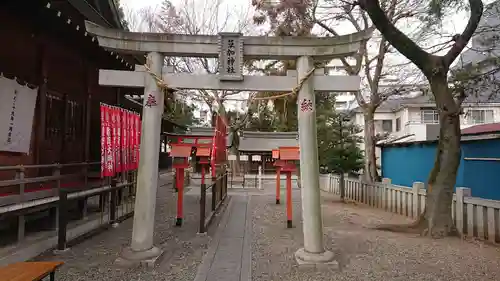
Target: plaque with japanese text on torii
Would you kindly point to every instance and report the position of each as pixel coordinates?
(230, 56)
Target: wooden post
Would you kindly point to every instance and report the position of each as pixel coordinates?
(260, 178)
(42, 98)
(62, 219)
(88, 116)
(203, 202)
(342, 186)
(112, 204)
(278, 185)
(225, 185)
(21, 223)
(289, 199)
(202, 173)
(64, 128)
(214, 193)
(55, 211)
(460, 216)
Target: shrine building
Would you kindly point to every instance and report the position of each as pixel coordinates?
(258, 147)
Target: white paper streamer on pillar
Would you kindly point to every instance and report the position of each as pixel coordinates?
(17, 108)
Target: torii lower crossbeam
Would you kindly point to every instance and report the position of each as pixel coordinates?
(322, 83)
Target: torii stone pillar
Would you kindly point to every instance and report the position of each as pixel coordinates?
(314, 250)
(142, 249)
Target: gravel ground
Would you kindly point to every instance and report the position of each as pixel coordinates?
(363, 253)
(93, 259)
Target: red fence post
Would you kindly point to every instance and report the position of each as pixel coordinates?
(180, 195)
(278, 185)
(289, 199)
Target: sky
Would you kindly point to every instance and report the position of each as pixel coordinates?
(137, 4)
(454, 24)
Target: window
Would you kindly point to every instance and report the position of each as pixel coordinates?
(398, 124)
(75, 119)
(53, 116)
(387, 126)
(340, 104)
(479, 116)
(429, 116)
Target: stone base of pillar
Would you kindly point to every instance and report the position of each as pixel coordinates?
(131, 258)
(325, 259)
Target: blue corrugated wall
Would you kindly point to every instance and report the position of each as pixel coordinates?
(482, 177)
(407, 164)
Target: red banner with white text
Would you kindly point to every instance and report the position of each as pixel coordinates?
(119, 140)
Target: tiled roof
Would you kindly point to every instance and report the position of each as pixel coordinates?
(267, 141)
(201, 132)
(482, 129)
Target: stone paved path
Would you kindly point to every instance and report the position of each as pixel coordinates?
(250, 242)
(93, 259)
(229, 255)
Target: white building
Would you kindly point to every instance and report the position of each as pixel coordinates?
(416, 119)
(345, 101)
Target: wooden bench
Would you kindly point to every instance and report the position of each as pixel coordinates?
(29, 271)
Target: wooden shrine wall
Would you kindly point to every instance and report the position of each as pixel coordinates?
(71, 93)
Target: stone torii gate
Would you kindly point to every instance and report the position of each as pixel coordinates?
(229, 48)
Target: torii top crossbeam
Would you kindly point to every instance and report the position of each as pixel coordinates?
(255, 47)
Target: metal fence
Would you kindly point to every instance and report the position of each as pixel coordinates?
(27, 199)
(218, 195)
(116, 203)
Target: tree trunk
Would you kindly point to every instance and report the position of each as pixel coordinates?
(236, 168)
(443, 176)
(370, 172)
(436, 220)
(342, 186)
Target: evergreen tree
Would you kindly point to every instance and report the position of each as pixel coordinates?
(338, 141)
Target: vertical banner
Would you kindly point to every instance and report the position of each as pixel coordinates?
(131, 144)
(214, 148)
(103, 140)
(124, 139)
(134, 141)
(113, 134)
(109, 156)
(118, 142)
(17, 109)
(138, 139)
(120, 139)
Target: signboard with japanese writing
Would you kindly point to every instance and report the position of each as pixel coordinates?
(276, 154)
(188, 140)
(17, 109)
(243, 157)
(256, 158)
(230, 56)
